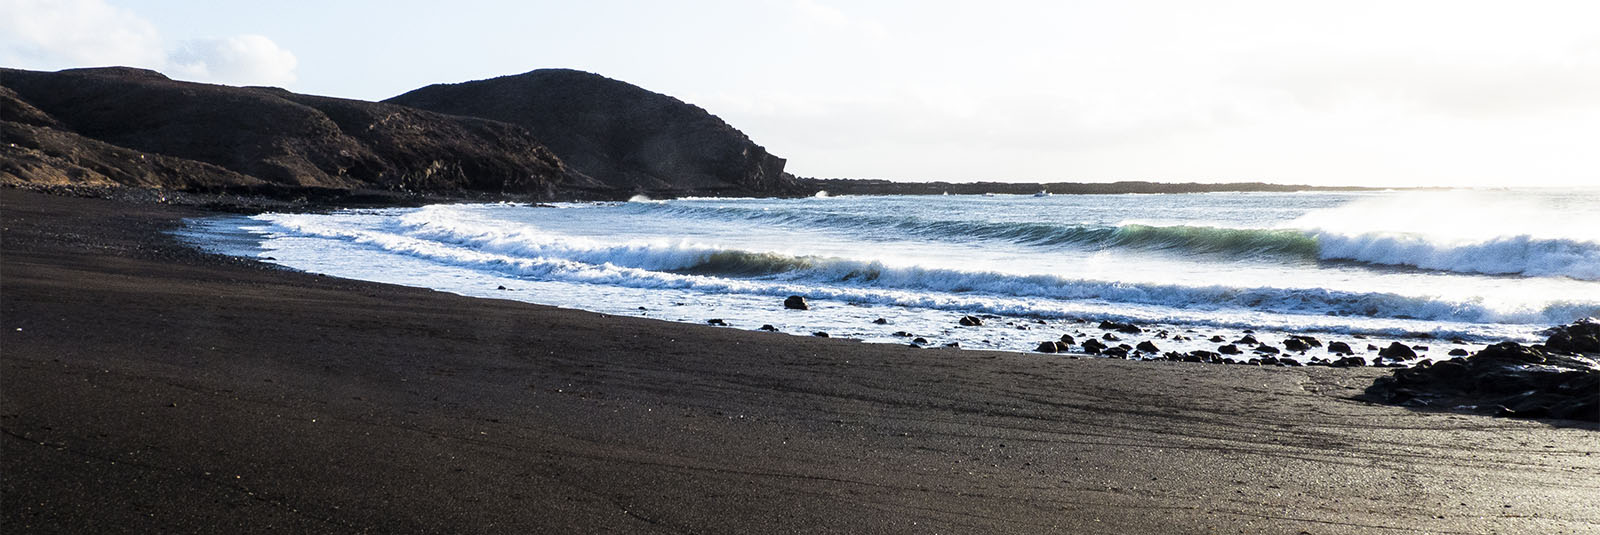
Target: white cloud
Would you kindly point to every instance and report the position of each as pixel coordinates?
(60, 34)
(238, 60)
(39, 33)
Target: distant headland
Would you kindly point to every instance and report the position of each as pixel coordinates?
(548, 134)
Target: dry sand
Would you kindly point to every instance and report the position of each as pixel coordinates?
(150, 388)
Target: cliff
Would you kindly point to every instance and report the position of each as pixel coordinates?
(629, 138)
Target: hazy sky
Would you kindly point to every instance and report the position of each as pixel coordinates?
(1340, 92)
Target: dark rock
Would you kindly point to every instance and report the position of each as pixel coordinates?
(1248, 340)
(1267, 349)
(1126, 328)
(1046, 347)
(1147, 347)
(970, 321)
(953, 345)
(1293, 344)
(1229, 349)
(1340, 348)
(1458, 352)
(903, 334)
(627, 138)
(769, 327)
(795, 302)
(1067, 339)
(1398, 351)
(1288, 362)
(1371, 347)
(1093, 347)
(500, 287)
(1419, 348)
(1115, 352)
(820, 334)
(717, 321)
(1582, 336)
(1269, 361)
(1350, 362)
(1217, 339)
(919, 341)
(881, 321)
(1111, 337)
(1499, 379)
(1308, 340)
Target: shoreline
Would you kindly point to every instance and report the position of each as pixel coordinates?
(152, 387)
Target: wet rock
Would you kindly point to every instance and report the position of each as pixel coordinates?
(1349, 362)
(1111, 337)
(500, 287)
(970, 321)
(1308, 340)
(919, 341)
(1398, 351)
(953, 345)
(1246, 340)
(1288, 362)
(1126, 328)
(1093, 347)
(769, 327)
(1067, 339)
(1147, 347)
(881, 321)
(1229, 349)
(717, 321)
(820, 334)
(1458, 352)
(903, 334)
(795, 302)
(1501, 379)
(1204, 355)
(1217, 339)
(1264, 348)
(1294, 344)
(1371, 347)
(1046, 347)
(1340, 348)
(1582, 336)
(1115, 352)
(1419, 348)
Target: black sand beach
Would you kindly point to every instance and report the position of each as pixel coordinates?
(147, 387)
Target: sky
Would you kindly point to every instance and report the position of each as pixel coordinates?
(1350, 92)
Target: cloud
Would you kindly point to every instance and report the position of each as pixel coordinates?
(76, 33)
(59, 34)
(239, 60)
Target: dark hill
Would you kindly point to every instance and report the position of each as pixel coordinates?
(625, 136)
(138, 128)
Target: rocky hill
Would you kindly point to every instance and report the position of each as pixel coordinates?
(625, 136)
(133, 127)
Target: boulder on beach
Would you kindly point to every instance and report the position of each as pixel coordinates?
(1228, 349)
(1067, 339)
(795, 302)
(1046, 347)
(970, 321)
(1295, 344)
(769, 327)
(1398, 351)
(1093, 347)
(1147, 347)
(1127, 328)
(1340, 348)
(1267, 349)
(1246, 340)
(717, 321)
(1505, 379)
(1582, 336)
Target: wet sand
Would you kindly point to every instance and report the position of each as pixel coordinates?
(146, 387)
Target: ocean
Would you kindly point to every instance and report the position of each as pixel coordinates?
(1443, 270)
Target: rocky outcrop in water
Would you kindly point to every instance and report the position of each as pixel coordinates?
(1508, 379)
(628, 138)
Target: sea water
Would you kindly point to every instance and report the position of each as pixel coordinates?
(1438, 268)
